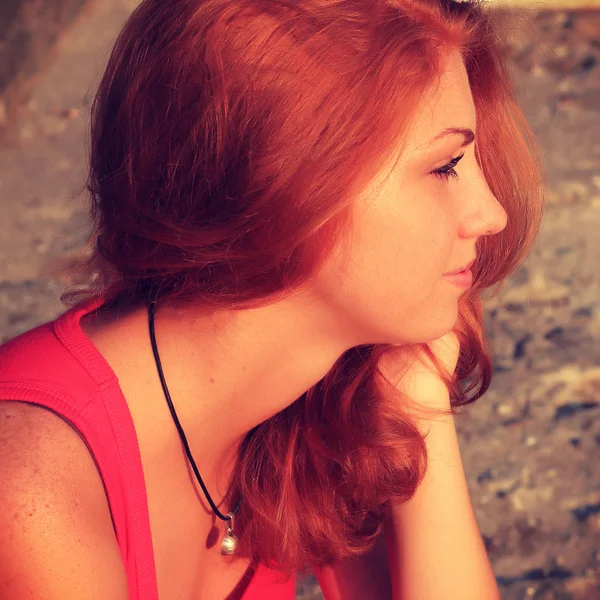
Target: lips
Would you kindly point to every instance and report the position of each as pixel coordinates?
(462, 269)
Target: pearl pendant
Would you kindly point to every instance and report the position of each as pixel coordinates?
(230, 541)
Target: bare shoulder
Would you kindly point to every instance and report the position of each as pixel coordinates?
(56, 533)
(40, 448)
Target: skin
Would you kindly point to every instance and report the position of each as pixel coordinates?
(229, 372)
(412, 227)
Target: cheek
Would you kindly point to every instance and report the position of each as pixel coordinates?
(428, 235)
(403, 248)
(392, 291)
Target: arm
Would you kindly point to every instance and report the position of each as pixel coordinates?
(365, 578)
(432, 548)
(56, 536)
(435, 548)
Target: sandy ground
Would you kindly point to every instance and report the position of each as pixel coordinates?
(531, 445)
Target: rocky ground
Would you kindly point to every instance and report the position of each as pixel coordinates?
(531, 445)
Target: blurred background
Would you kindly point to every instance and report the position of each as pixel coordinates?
(531, 445)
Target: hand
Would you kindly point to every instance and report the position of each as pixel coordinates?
(412, 372)
(447, 350)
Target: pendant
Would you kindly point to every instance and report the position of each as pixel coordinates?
(230, 541)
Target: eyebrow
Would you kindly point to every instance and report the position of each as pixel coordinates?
(467, 134)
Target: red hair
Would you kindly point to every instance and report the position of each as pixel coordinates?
(228, 140)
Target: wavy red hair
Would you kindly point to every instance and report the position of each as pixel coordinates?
(228, 140)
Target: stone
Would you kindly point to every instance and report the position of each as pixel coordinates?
(572, 191)
(505, 410)
(30, 30)
(538, 290)
(583, 587)
(70, 113)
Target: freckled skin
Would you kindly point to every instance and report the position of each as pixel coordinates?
(414, 227)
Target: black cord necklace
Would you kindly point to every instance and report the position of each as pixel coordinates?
(230, 541)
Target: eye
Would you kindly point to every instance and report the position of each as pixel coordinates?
(447, 171)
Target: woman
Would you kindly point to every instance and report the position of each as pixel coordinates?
(261, 375)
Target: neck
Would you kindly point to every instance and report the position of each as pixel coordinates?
(228, 372)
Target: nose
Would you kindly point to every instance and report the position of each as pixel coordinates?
(483, 214)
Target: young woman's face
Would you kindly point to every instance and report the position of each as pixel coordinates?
(417, 225)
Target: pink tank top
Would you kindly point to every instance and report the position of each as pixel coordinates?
(57, 366)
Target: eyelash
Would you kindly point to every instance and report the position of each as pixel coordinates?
(447, 171)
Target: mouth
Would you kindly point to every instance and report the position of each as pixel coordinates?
(467, 267)
(463, 277)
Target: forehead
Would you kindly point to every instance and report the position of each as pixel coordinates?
(447, 104)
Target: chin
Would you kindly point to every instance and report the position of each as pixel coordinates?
(428, 332)
(415, 328)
